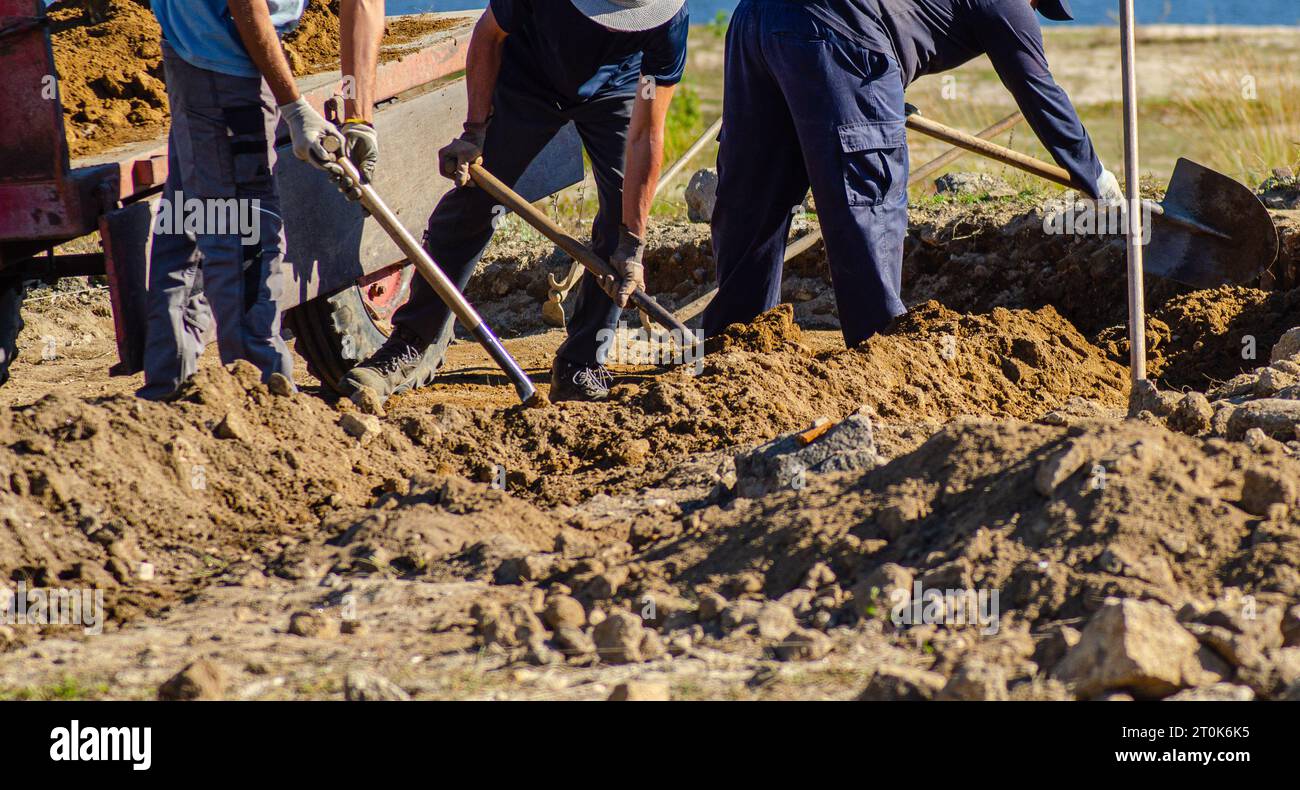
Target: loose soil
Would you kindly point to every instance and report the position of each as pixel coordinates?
(111, 74)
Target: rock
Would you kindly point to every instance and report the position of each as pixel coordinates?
(1291, 627)
(359, 686)
(902, 683)
(563, 611)
(976, 681)
(1060, 467)
(1145, 397)
(702, 195)
(511, 627)
(312, 624)
(1135, 646)
(280, 385)
(1219, 692)
(1271, 381)
(640, 691)
(652, 646)
(1276, 417)
(1054, 644)
(881, 590)
(368, 401)
(977, 184)
(200, 680)
(1265, 488)
(782, 463)
(711, 606)
(1193, 416)
(775, 621)
(804, 644)
(1238, 629)
(573, 641)
(1288, 348)
(818, 576)
(633, 452)
(362, 427)
(738, 613)
(606, 585)
(232, 426)
(618, 638)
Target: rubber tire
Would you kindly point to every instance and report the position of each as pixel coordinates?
(334, 333)
(11, 324)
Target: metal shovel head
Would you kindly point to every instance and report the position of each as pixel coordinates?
(1248, 243)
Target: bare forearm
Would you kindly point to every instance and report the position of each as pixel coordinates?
(645, 156)
(253, 20)
(483, 66)
(362, 23)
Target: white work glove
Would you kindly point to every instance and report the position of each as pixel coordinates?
(1108, 187)
(309, 131)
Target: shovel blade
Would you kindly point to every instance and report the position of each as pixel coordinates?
(1204, 260)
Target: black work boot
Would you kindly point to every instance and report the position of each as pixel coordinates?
(392, 369)
(573, 381)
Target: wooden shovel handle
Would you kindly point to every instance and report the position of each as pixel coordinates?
(991, 150)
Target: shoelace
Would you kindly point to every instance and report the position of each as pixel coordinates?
(393, 356)
(593, 378)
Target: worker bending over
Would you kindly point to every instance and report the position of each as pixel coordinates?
(228, 84)
(814, 97)
(608, 66)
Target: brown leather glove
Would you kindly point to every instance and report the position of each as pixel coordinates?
(628, 267)
(456, 157)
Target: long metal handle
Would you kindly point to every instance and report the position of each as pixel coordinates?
(1037, 167)
(576, 249)
(1137, 324)
(440, 283)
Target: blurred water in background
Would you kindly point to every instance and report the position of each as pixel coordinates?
(1089, 12)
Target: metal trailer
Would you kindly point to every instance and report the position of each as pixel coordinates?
(344, 276)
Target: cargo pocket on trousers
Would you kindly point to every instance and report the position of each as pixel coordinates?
(873, 160)
(249, 150)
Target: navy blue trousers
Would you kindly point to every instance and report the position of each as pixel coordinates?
(462, 224)
(806, 106)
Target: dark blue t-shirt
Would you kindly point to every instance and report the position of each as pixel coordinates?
(930, 36)
(555, 49)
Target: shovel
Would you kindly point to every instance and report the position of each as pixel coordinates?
(1210, 230)
(439, 281)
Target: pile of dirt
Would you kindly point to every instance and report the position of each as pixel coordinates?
(111, 75)
(96, 490)
(934, 366)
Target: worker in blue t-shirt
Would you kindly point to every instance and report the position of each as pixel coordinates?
(814, 97)
(608, 66)
(228, 84)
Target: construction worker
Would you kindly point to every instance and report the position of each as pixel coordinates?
(608, 66)
(228, 84)
(814, 97)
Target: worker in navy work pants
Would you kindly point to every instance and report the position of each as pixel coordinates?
(814, 97)
(608, 66)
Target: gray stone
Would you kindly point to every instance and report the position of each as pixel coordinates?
(1277, 417)
(978, 184)
(1219, 692)
(1264, 488)
(362, 427)
(782, 463)
(702, 195)
(775, 621)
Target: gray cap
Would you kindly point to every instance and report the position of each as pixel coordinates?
(630, 16)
